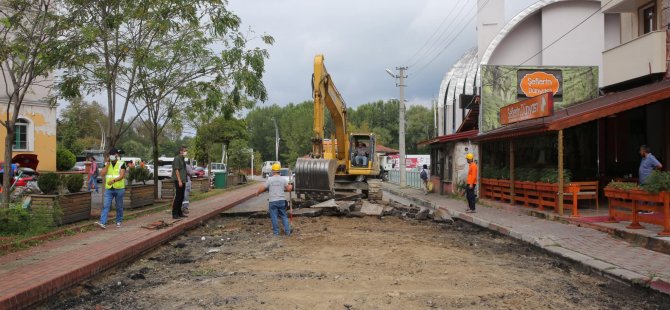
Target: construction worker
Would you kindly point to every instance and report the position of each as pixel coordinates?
(471, 182)
(114, 174)
(276, 185)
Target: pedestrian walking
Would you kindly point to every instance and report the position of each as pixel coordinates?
(114, 174)
(648, 164)
(424, 178)
(92, 174)
(187, 191)
(179, 178)
(276, 185)
(471, 182)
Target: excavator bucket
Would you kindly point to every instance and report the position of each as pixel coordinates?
(315, 178)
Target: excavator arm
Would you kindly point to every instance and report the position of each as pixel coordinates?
(326, 96)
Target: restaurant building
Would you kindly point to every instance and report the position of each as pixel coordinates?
(566, 109)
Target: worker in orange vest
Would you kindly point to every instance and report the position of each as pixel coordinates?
(471, 182)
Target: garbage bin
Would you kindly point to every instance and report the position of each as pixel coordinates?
(220, 179)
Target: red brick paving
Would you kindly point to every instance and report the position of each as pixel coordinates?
(40, 272)
(592, 248)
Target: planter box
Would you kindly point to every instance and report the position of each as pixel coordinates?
(625, 204)
(167, 189)
(75, 207)
(139, 195)
(200, 185)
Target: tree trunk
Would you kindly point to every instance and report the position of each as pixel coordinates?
(7, 166)
(154, 152)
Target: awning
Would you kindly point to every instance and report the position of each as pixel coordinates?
(585, 112)
(466, 135)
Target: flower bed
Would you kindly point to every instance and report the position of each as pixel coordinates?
(138, 195)
(531, 194)
(74, 206)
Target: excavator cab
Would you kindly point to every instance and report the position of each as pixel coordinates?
(362, 156)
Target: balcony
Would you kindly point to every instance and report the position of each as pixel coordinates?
(640, 57)
(619, 6)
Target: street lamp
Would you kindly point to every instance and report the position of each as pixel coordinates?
(276, 140)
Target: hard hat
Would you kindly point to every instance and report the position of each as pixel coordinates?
(469, 156)
(276, 167)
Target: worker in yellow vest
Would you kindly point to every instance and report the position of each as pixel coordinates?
(113, 175)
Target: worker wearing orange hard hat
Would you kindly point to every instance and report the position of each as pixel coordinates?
(471, 182)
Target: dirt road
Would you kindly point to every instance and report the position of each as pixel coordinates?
(350, 263)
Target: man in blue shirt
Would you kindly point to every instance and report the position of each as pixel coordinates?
(648, 163)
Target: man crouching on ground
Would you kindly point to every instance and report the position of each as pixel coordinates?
(276, 186)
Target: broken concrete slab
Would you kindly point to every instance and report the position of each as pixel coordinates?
(441, 216)
(308, 212)
(355, 214)
(372, 209)
(422, 215)
(326, 204)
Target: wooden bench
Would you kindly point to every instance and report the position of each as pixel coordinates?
(587, 191)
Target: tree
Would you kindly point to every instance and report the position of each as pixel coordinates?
(30, 50)
(80, 125)
(220, 130)
(240, 154)
(419, 128)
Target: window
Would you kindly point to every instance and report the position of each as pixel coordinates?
(647, 16)
(21, 135)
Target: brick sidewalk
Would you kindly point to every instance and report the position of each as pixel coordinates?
(589, 247)
(42, 271)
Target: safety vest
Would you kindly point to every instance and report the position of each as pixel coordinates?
(113, 172)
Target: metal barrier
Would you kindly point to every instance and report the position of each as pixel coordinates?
(413, 178)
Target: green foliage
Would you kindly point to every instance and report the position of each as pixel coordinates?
(239, 154)
(65, 160)
(623, 185)
(79, 125)
(74, 182)
(138, 174)
(16, 220)
(419, 128)
(49, 183)
(550, 175)
(658, 181)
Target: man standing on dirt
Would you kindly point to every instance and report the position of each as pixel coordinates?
(276, 185)
(179, 178)
(471, 182)
(114, 174)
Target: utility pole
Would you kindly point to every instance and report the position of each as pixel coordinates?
(252, 162)
(276, 140)
(401, 123)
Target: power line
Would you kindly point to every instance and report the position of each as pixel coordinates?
(434, 33)
(456, 35)
(446, 34)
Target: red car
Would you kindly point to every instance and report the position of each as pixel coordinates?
(199, 172)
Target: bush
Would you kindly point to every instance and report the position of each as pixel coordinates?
(138, 174)
(74, 182)
(65, 160)
(49, 183)
(658, 181)
(16, 220)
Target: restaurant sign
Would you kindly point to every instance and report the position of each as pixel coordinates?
(534, 107)
(531, 83)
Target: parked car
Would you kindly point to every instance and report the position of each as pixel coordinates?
(199, 172)
(219, 167)
(266, 170)
(165, 172)
(79, 166)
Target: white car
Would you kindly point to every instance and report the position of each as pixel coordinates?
(165, 172)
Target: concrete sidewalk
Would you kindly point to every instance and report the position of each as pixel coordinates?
(591, 248)
(42, 271)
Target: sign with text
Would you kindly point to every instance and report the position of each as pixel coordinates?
(535, 107)
(533, 83)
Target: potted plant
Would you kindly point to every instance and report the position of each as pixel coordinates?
(138, 192)
(75, 205)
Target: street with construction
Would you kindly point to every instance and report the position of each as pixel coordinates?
(295, 154)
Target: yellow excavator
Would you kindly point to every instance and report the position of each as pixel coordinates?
(348, 163)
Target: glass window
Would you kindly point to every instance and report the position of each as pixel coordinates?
(648, 18)
(21, 134)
